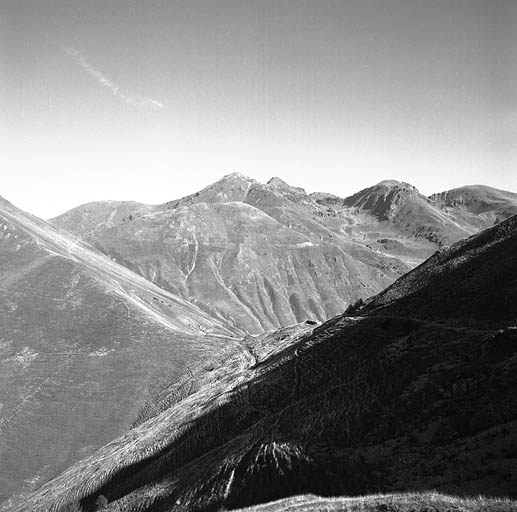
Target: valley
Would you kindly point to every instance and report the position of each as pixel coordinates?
(260, 341)
(375, 400)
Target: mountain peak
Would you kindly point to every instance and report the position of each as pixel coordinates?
(279, 184)
(236, 176)
(395, 184)
(383, 199)
(275, 181)
(470, 195)
(231, 187)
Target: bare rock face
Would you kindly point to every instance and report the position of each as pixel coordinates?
(391, 406)
(83, 341)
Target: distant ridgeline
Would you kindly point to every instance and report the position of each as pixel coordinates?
(259, 257)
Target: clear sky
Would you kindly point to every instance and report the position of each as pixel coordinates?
(150, 100)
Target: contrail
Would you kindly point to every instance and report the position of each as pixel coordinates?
(130, 99)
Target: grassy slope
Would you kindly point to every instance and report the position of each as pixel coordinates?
(477, 203)
(248, 253)
(415, 502)
(83, 341)
(355, 406)
(382, 403)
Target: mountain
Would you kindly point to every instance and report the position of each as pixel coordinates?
(397, 219)
(478, 204)
(230, 188)
(262, 256)
(403, 206)
(477, 293)
(83, 341)
(252, 255)
(91, 217)
(386, 398)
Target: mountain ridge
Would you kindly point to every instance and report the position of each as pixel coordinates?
(78, 328)
(157, 287)
(371, 401)
(296, 249)
(323, 251)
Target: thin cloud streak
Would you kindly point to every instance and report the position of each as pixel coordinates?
(131, 99)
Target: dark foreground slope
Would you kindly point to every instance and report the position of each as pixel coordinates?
(473, 282)
(83, 341)
(358, 405)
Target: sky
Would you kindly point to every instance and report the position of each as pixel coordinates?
(151, 100)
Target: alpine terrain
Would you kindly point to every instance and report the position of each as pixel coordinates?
(414, 389)
(83, 341)
(105, 306)
(261, 257)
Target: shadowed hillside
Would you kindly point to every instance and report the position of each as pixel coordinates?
(472, 282)
(381, 403)
(83, 341)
